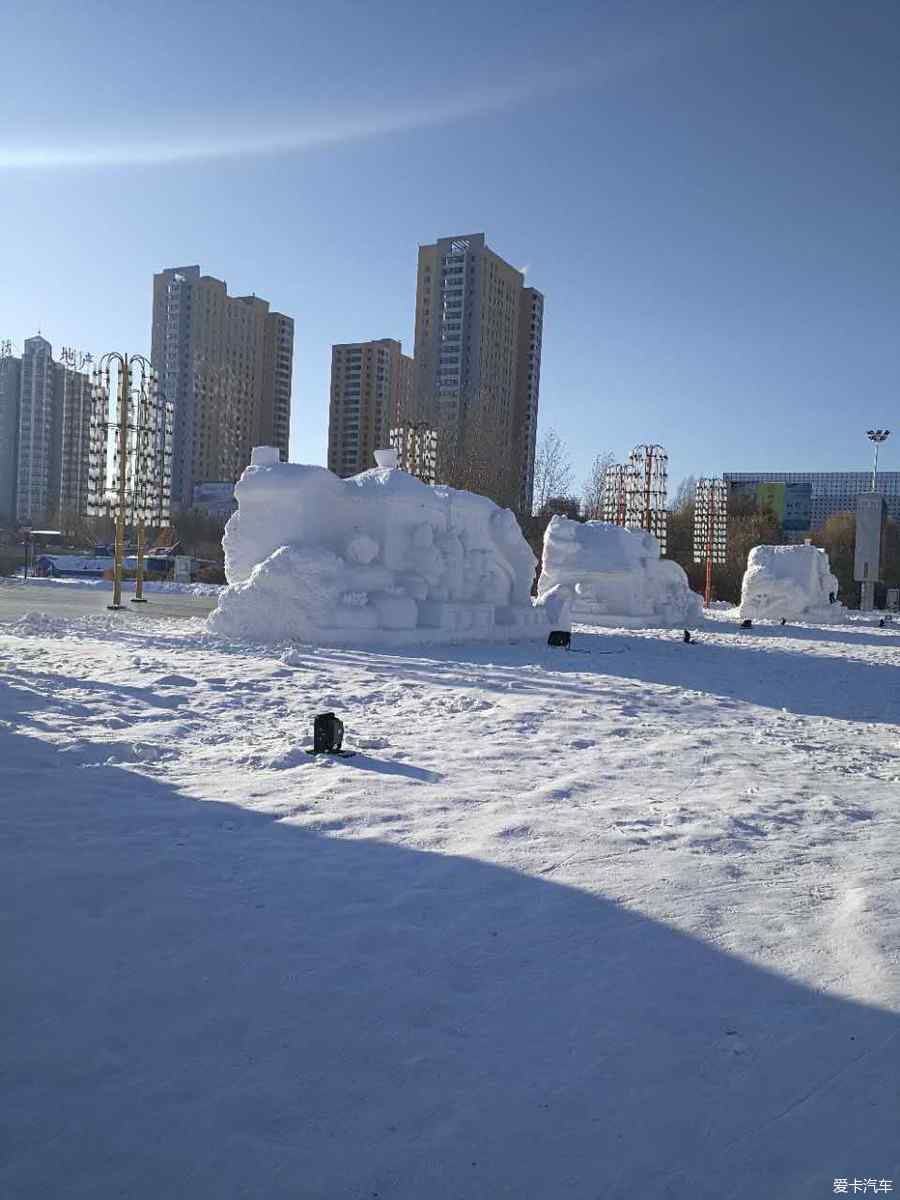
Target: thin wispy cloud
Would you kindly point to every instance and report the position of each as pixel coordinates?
(302, 133)
(254, 136)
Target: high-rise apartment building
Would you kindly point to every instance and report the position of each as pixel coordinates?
(37, 474)
(478, 356)
(45, 418)
(225, 363)
(371, 392)
(73, 405)
(10, 382)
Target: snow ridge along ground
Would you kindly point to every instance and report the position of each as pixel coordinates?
(611, 924)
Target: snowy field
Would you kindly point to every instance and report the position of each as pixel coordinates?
(622, 923)
(159, 586)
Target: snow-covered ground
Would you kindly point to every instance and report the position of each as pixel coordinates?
(160, 586)
(611, 924)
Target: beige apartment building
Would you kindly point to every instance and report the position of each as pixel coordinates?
(478, 358)
(225, 362)
(371, 393)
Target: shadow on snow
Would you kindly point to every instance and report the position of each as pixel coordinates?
(204, 1002)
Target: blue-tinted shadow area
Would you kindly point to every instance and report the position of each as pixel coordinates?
(202, 1002)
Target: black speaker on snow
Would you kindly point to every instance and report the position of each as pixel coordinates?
(560, 637)
(328, 734)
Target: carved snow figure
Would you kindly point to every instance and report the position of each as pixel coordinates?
(790, 582)
(615, 576)
(379, 559)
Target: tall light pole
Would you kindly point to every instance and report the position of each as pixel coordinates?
(877, 436)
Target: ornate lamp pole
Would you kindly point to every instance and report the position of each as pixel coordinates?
(140, 430)
(710, 527)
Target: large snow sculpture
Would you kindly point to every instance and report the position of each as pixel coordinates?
(793, 582)
(616, 576)
(380, 558)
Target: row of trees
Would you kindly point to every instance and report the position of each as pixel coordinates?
(749, 525)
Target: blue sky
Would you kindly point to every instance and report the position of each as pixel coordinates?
(707, 193)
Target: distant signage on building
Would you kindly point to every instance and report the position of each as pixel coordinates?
(215, 498)
(790, 502)
(771, 496)
(797, 515)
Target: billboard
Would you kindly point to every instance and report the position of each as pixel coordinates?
(797, 514)
(216, 498)
(870, 516)
(771, 496)
(790, 502)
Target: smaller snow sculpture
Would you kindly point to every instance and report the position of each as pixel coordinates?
(790, 582)
(615, 577)
(379, 559)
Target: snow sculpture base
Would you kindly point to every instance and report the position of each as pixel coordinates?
(615, 577)
(790, 582)
(380, 560)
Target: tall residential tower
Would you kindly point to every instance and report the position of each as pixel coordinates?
(225, 364)
(45, 415)
(478, 356)
(371, 391)
(10, 383)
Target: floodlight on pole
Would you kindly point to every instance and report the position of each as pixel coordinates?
(877, 436)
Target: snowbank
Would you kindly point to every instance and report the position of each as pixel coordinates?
(616, 576)
(380, 558)
(162, 586)
(794, 582)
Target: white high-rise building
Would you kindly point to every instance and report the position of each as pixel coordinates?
(37, 476)
(10, 383)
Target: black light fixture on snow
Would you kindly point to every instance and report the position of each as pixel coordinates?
(560, 637)
(328, 734)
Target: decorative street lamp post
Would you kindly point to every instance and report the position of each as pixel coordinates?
(710, 527)
(877, 436)
(137, 488)
(645, 501)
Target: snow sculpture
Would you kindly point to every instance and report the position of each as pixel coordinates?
(380, 558)
(615, 576)
(793, 582)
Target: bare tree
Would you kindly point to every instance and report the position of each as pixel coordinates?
(592, 491)
(473, 452)
(222, 395)
(552, 469)
(684, 494)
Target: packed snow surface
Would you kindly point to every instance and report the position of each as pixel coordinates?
(790, 582)
(379, 559)
(160, 586)
(620, 923)
(615, 576)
